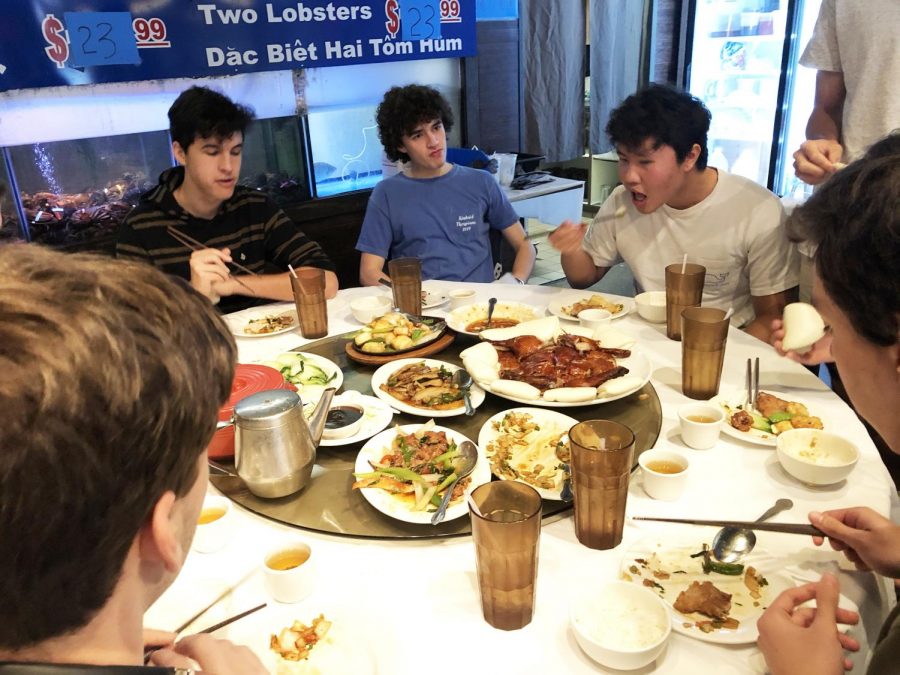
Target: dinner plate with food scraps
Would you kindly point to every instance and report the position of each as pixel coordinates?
(772, 413)
(262, 322)
(422, 387)
(567, 304)
(307, 639)
(396, 332)
(400, 450)
(713, 607)
(524, 444)
(310, 373)
(472, 319)
(486, 363)
(433, 298)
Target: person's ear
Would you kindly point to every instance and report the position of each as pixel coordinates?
(162, 538)
(178, 151)
(690, 159)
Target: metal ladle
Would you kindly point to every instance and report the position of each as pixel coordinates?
(464, 464)
(492, 302)
(463, 380)
(733, 544)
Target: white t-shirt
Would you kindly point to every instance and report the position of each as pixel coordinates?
(737, 233)
(861, 39)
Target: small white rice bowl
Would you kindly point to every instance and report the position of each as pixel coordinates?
(816, 457)
(651, 306)
(621, 625)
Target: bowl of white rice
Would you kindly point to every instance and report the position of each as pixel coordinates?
(621, 625)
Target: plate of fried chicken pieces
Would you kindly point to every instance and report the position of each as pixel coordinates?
(541, 363)
(708, 600)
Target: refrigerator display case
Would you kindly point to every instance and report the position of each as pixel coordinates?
(740, 58)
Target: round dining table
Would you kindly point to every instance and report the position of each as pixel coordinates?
(411, 606)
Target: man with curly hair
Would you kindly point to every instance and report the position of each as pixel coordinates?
(438, 212)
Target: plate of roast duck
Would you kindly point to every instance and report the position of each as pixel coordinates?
(539, 363)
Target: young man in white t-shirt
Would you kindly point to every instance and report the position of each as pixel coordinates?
(671, 203)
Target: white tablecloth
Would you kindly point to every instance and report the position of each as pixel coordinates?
(413, 606)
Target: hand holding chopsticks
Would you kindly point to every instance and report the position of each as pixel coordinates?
(196, 245)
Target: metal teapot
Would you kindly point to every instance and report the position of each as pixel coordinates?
(274, 446)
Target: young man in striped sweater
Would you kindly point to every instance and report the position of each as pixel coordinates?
(201, 199)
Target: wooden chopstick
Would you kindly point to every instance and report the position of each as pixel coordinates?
(222, 624)
(784, 528)
(224, 594)
(195, 245)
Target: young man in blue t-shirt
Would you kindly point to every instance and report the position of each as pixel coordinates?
(438, 212)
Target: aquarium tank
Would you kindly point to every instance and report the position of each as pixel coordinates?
(79, 191)
(346, 152)
(273, 160)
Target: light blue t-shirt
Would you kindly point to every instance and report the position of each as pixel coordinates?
(443, 221)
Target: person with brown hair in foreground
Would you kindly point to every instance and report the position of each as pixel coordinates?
(854, 220)
(113, 374)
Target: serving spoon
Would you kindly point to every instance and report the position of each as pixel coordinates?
(463, 380)
(464, 464)
(733, 544)
(492, 302)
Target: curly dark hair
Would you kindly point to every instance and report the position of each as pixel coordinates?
(668, 116)
(199, 112)
(402, 109)
(854, 219)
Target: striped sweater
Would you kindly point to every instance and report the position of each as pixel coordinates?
(261, 237)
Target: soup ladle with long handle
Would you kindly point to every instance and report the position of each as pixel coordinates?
(463, 380)
(733, 544)
(463, 464)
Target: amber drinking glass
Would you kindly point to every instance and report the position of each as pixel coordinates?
(309, 297)
(506, 528)
(406, 281)
(602, 457)
(705, 331)
(683, 289)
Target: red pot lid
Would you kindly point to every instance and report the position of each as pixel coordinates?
(250, 378)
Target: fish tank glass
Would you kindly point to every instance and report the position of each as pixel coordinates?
(9, 228)
(346, 152)
(273, 160)
(77, 192)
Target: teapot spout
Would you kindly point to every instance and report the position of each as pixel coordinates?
(317, 421)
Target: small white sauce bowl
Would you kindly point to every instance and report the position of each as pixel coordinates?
(651, 306)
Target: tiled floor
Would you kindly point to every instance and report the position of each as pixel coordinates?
(548, 270)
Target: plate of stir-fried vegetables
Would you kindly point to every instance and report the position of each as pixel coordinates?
(403, 472)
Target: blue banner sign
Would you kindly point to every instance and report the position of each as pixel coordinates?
(70, 42)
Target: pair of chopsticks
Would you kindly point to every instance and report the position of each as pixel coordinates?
(224, 594)
(752, 383)
(195, 245)
(784, 528)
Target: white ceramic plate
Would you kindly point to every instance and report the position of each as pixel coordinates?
(376, 417)
(675, 554)
(729, 401)
(638, 366)
(568, 298)
(310, 393)
(238, 321)
(548, 420)
(434, 299)
(381, 376)
(389, 505)
(461, 317)
(346, 648)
